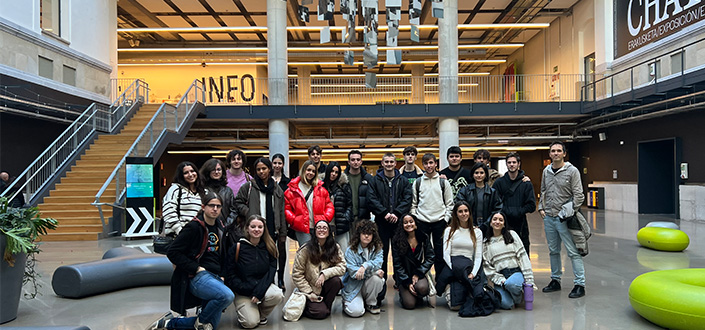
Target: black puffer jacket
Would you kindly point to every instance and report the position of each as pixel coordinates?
(380, 194)
(518, 202)
(363, 208)
(492, 203)
(412, 263)
(341, 196)
(254, 270)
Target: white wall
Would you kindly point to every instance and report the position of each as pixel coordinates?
(564, 43)
(21, 13)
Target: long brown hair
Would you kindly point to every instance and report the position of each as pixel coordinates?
(370, 228)
(328, 252)
(271, 247)
(455, 222)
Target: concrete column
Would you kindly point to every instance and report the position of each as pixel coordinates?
(417, 84)
(279, 140)
(448, 53)
(277, 52)
(604, 36)
(448, 135)
(304, 82)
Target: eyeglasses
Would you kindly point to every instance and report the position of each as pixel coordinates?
(215, 206)
(217, 170)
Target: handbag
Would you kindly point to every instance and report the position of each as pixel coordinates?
(161, 242)
(294, 307)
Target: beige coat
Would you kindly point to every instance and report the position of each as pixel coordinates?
(305, 274)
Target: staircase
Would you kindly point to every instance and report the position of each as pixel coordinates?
(70, 201)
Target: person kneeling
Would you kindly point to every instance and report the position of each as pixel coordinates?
(506, 263)
(413, 257)
(198, 255)
(252, 263)
(318, 265)
(364, 278)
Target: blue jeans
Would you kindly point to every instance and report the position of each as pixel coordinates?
(511, 291)
(557, 231)
(216, 298)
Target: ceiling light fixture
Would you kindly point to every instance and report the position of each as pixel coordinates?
(308, 49)
(255, 29)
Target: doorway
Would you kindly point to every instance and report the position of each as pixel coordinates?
(658, 177)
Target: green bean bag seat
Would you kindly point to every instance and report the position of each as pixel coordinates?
(663, 239)
(673, 299)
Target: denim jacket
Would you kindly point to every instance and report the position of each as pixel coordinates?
(355, 260)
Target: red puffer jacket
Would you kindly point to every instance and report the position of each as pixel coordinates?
(296, 210)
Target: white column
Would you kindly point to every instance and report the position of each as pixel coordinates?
(304, 81)
(417, 84)
(448, 135)
(448, 53)
(277, 52)
(279, 140)
(604, 36)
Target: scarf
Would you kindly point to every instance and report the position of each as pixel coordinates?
(268, 191)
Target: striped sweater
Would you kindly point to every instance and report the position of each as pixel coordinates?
(498, 255)
(189, 205)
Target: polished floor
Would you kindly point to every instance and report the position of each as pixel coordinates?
(615, 260)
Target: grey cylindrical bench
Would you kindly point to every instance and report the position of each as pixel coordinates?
(122, 251)
(107, 275)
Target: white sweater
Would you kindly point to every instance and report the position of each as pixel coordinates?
(461, 245)
(498, 255)
(177, 213)
(429, 205)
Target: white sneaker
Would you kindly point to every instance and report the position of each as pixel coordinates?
(161, 323)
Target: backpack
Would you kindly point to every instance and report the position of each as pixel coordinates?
(442, 181)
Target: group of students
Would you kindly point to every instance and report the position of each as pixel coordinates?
(231, 231)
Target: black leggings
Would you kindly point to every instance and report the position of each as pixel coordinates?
(408, 300)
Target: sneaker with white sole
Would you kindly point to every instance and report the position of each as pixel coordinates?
(263, 321)
(161, 323)
(374, 309)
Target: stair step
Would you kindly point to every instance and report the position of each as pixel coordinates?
(86, 199)
(58, 237)
(82, 212)
(80, 228)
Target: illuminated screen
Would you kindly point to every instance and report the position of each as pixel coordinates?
(140, 180)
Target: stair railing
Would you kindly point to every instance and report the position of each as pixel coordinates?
(56, 157)
(167, 119)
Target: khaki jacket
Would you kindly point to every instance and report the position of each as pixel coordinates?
(304, 274)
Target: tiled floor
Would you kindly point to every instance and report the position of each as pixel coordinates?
(615, 260)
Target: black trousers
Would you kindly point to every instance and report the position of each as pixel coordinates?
(386, 231)
(435, 231)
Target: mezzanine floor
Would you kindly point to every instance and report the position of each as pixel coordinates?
(615, 260)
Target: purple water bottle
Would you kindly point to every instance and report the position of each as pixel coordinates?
(528, 297)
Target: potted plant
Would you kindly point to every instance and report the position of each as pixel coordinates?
(19, 230)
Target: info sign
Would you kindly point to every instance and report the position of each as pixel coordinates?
(641, 22)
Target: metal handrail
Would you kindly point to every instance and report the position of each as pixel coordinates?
(161, 120)
(95, 118)
(589, 91)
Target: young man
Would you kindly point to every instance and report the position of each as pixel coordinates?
(483, 156)
(457, 176)
(389, 199)
(432, 204)
(359, 183)
(235, 162)
(314, 155)
(561, 197)
(517, 197)
(410, 170)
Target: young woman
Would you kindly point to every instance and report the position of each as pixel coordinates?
(482, 199)
(278, 171)
(213, 178)
(506, 263)
(236, 175)
(413, 257)
(364, 278)
(307, 202)
(462, 253)
(198, 256)
(251, 266)
(183, 199)
(336, 182)
(317, 269)
(265, 198)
